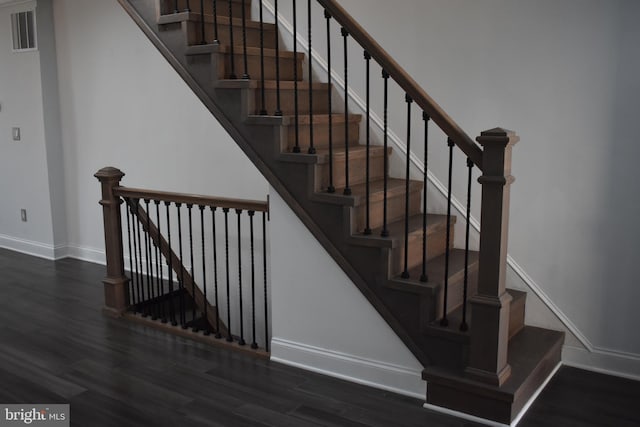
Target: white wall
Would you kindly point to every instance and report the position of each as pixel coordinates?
(122, 105)
(24, 181)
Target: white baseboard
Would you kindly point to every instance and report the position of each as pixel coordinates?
(372, 373)
(96, 256)
(609, 362)
(30, 247)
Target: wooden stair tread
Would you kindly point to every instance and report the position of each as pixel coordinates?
(435, 271)
(395, 186)
(269, 84)
(239, 50)
(435, 224)
(223, 21)
(355, 152)
(455, 316)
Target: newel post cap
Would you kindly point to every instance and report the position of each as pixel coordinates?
(109, 173)
(498, 136)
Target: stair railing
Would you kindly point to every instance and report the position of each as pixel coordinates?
(185, 261)
(492, 157)
(490, 306)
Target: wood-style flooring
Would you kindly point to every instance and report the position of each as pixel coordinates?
(57, 347)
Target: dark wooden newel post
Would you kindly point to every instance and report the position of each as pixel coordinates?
(115, 283)
(490, 308)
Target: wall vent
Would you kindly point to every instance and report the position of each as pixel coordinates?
(23, 25)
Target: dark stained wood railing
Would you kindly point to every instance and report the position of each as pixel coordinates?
(161, 287)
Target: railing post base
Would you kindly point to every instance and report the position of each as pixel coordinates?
(116, 294)
(489, 340)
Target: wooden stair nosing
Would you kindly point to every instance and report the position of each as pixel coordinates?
(223, 21)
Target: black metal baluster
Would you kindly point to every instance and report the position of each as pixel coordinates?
(172, 312)
(296, 148)
(188, 8)
(385, 185)
(347, 188)
(312, 149)
(134, 220)
(264, 272)
(263, 111)
(215, 270)
(175, 6)
(231, 46)
(367, 228)
(181, 285)
(216, 39)
(143, 300)
(405, 273)
(238, 214)
(445, 321)
(150, 279)
(194, 327)
(132, 295)
(226, 248)
(423, 276)
(464, 326)
(160, 283)
(254, 344)
(245, 75)
(331, 188)
(277, 19)
(202, 24)
(205, 314)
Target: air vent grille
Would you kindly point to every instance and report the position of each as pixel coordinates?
(24, 31)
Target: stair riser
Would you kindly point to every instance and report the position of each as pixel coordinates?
(194, 35)
(436, 246)
(222, 7)
(321, 136)
(456, 291)
(254, 67)
(395, 210)
(287, 101)
(357, 171)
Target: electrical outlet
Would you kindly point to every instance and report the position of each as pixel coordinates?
(16, 134)
(23, 215)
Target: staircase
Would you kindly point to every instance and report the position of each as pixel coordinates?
(448, 305)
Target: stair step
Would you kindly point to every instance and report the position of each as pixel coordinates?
(287, 95)
(516, 318)
(321, 131)
(194, 30)
(167, 7)
(287, 63)
(534, 354)
(435, 283)
(357, 166)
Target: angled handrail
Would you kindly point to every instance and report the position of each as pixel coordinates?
(405, 81)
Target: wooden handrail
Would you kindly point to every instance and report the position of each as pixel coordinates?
(405, 81)
(198, 200)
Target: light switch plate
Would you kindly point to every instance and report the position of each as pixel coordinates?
(16, 134)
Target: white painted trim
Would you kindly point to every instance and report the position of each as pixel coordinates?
(419, 165)
(29, 247)
(85, 253)
(372, 373)
(603, 361)
(515, 421)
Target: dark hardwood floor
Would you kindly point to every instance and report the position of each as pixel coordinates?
(57, 347)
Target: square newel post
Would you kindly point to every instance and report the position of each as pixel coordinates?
(115, 283)
(490, 307)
